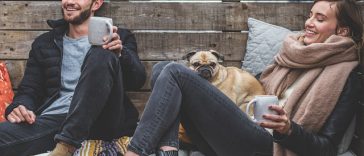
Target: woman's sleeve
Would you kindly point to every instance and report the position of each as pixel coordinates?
(326, 141)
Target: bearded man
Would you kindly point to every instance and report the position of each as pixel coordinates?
(72, 91)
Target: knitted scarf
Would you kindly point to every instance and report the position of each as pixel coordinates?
(324, 68)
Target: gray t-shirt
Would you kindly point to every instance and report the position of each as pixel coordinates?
(74, 52)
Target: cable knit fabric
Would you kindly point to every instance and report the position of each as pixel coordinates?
(325, 68)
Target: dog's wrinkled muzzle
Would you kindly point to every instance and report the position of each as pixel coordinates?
(205, 72)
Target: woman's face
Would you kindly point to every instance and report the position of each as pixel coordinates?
(321, 24)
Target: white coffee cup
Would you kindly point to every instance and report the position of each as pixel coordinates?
(261, 105)
(98, 28)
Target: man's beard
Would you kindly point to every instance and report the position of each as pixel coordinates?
(79, 19)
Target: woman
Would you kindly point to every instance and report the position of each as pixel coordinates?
(312, 75)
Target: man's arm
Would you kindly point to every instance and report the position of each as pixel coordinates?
(133, 70)
(30, 91)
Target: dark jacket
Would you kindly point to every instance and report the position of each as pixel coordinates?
(41, 83)
(326, 141)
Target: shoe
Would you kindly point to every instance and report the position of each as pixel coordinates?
(63, 149)
(166, 153)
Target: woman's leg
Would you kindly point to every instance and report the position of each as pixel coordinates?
(159, 123)
(222, 125)
(218, 127)
(196, 137)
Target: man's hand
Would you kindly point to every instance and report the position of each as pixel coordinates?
(115, 45)
(21, 114)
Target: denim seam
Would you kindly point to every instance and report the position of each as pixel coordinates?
(169, 143)
(20, 141)
(62, 137)
(135, 150)
(156, 120)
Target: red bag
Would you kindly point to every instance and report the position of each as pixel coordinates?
(6, 91)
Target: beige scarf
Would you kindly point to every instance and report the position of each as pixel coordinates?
(325, 68)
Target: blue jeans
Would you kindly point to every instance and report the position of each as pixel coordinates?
(97, 111)
(214, 123)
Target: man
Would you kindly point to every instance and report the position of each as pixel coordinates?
(72, 91)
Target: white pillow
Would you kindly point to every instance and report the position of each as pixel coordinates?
(264, 41)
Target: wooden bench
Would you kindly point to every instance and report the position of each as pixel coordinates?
(164, 31)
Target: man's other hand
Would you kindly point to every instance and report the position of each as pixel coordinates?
(21, 114)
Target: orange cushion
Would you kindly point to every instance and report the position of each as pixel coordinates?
(6, 91)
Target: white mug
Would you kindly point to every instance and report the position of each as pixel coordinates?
(261, 105)
(98, 28)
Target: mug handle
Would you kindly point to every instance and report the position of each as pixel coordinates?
(110, 32)
(248, 108)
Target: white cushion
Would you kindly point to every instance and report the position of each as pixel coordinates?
(264, 41)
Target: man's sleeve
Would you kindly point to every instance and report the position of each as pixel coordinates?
(133, 70)
(31, 89)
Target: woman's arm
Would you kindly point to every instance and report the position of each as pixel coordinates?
(326, 141)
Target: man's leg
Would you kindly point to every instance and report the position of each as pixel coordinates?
(222, 125)
(24, 139)
(100, 78)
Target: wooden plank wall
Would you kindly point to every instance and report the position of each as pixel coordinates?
(164, 31)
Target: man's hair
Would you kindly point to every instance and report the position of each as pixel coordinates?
(349, 15)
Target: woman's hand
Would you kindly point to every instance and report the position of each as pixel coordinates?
(115, 45)
(280, 122)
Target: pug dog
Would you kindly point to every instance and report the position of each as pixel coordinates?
(239, 85)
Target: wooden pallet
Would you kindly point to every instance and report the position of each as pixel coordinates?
(164, 31)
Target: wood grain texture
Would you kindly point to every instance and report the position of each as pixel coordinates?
(16, 44)
(180, 16)
(139, 99)
(227, 16)
(289, 15)
(16, 71)
(28, 14)
(172, 46)
(151, 46)
(142, 15)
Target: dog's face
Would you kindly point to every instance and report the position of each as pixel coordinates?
(206, 63)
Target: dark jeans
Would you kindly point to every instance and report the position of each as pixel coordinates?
(96, 111)
(24, 139)
(214, 123)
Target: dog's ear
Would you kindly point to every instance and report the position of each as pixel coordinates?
(219, 56)
(189, 55)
